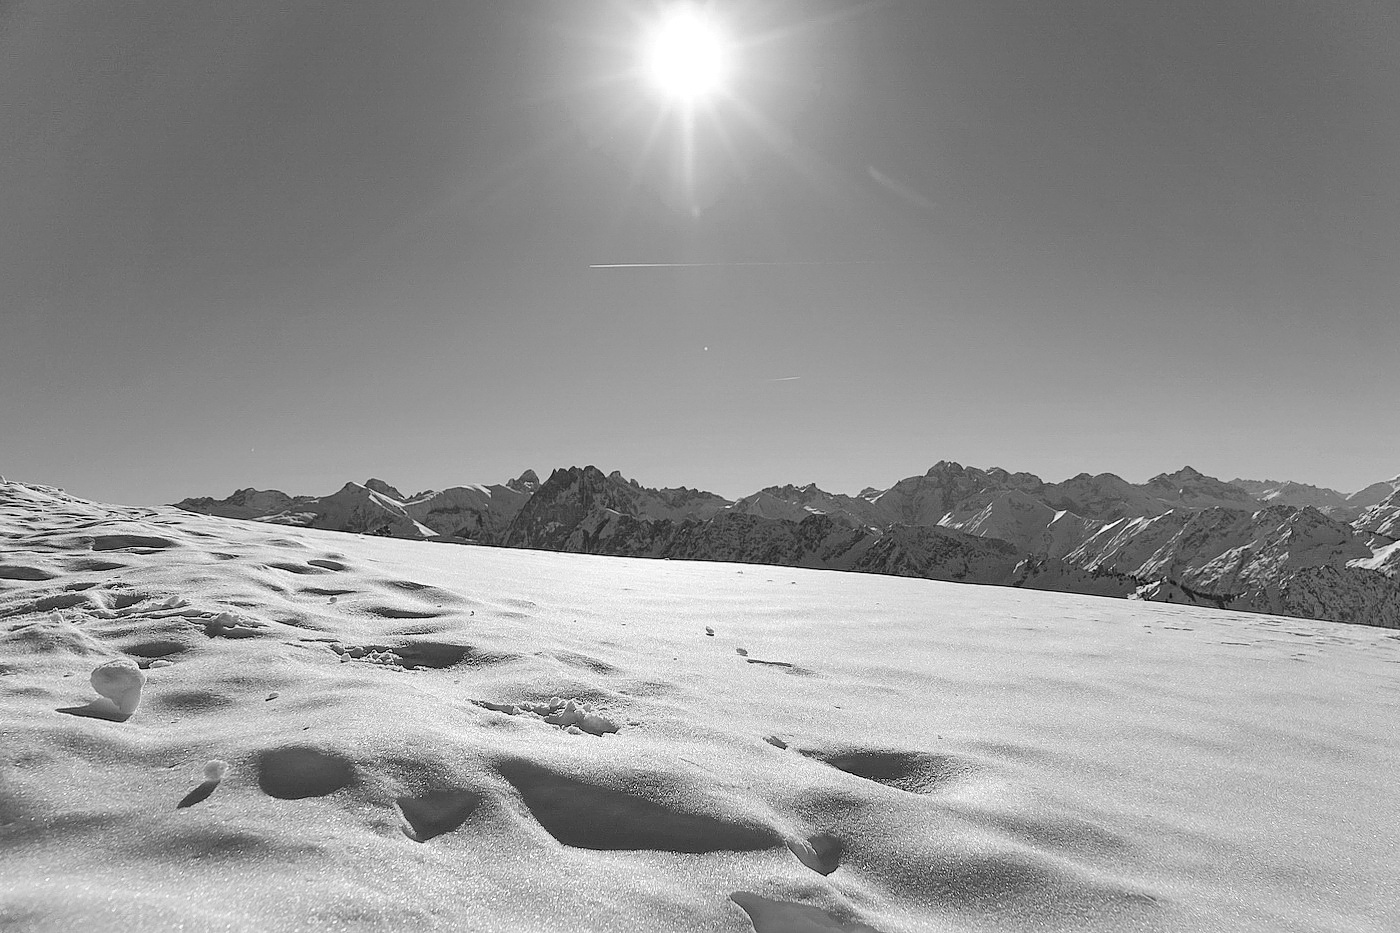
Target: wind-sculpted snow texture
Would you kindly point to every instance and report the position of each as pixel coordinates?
(1181, 537)
(232, 726)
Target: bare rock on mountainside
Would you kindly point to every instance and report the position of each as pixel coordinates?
(1192, 489)
(526, 482)
(941, 554)
(1279, 560)
(949, 490)
(1029, 524)
(1300, 495)
(584, 511)
(1384, 559)
(383, 488)
(244, 503)
(470, 512)
(577, 505)
(795, 503)
(1382, 519)
(1108, 497)
(1374, 494)
(816, 541)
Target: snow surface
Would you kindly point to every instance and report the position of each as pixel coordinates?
(344, 732)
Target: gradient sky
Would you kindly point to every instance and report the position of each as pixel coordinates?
(287, 245)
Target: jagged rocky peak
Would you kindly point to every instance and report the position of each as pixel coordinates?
(244, 503)
(952, 473)
(383, 488)
(589, 480)
(249, 494)
(1182, 479)
(617, 477)
(528, 481)
(1299, 494)
(1191, 488)
(790, 492)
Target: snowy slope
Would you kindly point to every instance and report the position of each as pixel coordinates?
(341, 732)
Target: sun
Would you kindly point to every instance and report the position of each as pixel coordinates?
(686, 56)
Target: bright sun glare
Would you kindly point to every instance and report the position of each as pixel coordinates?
(686, 55)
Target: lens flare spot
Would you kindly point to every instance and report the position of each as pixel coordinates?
(686, 55)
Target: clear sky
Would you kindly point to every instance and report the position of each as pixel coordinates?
(291, 244)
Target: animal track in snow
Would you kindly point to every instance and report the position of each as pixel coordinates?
(436, 812)
(20, 572)
(410, 655)
(46, 604)
(821, 852)
(126, 541)
(587, 663)
(573, 716)
(154, 648)
(399, 612)
(914, 772)
(228, 625)
(324, 591)
(291, 567)
(95, 565)
(773, 916)
(298, 771)
(785, 666)
(590, 816)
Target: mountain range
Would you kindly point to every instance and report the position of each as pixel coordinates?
(1253, 545)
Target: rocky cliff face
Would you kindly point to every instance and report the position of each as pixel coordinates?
(1280, 560)
(949, 491)
(1271, 492)
(1382, 520)
(579, 506)
(940, 554)
(795, 503)
(570, 509)
(584, 511)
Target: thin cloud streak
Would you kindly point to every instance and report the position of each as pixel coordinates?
(712, 265)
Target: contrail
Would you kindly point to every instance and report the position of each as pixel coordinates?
(784, 379)
(708, 265)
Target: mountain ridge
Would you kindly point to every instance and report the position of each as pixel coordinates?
(1262, 546)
